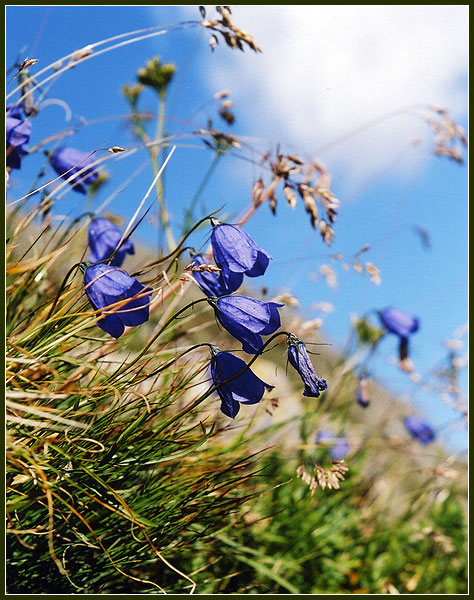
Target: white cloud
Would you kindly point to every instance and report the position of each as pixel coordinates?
(325, 70)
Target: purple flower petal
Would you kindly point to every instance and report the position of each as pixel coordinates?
(420, 430)
(74, 161)
(299, 360)
(398, 322)
(107, 285)
(104, 237)
(236, 252)
(247, 388)
(213, 284)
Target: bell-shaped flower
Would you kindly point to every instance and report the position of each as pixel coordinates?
(363, 391)
(121, 299)
(339, 446)
(74, 165)
(247, 319)
(398, 322)
(402, 324)
(17, 134)
(236, 252)
(104, 237)
(245, 388)
(299, 359)
(420, 430)
(213, 284)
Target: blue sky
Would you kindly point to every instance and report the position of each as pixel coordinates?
(323, 73)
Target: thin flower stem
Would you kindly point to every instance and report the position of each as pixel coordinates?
(157, 176)
(155, 152)
(188, 217)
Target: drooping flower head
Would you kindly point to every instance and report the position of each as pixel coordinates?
(363, 391)
(247, 319)
(213, 284)
(236, 252)
(104, 237)
(339, 446)
(17, 134)
(246, 388)
(106, 287)
(402, 324)
(75, 164)
(398, 322)
(299, 360)
(420, 430)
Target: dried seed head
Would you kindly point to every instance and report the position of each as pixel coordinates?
(287, 299)
(327, 232)
(309, 203)
(290, 195)
(116, 149)
(373, 272)
(331, 477)
(272, 201)
(309, 326)
(28, 62)
(330, 276)
(294, 159)
(226, 114)
(200, 268)
(213, 41)
(80, 54)
(221, 94)
(257, 192)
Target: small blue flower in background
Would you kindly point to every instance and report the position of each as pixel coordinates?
(104, 238)
(363, 391)
(420, 430)
(64, 159)
(213, 284)
(247, 388)
(17, 133)
(402, 324)
(236, 252)
(339, 446)
(247, 319)
(299, 359)
(105, 286)
(398, 322)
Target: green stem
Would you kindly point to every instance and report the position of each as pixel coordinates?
(188, 217)
(162, 212)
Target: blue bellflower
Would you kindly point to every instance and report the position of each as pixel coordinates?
(402, 324)
(363, 391)
(247, 319)
(339, 446)
(74, 161)
(105, 286)
(398, 322)
(236, 252)
(420, 430)
(213, 284)
(104, 237)
(17, 134)
(247, 388)
(299, 360)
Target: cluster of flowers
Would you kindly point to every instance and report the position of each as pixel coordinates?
(121, 300)
(403, 325)
(71, 164)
